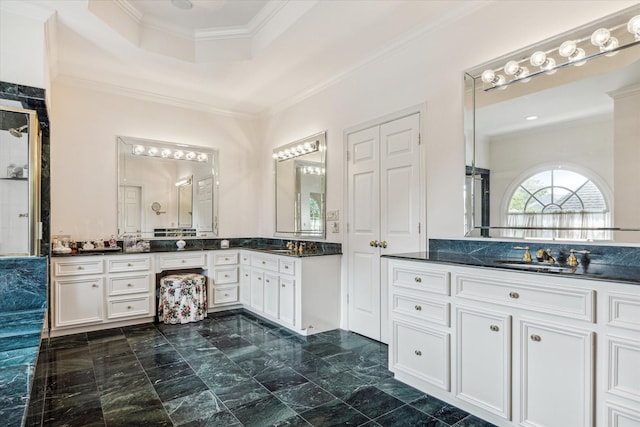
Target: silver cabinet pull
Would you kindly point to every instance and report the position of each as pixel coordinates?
(418, 353)
(129, 307)
(418, 279)
(129, 285)
(184, 261)
(80, 267)
(536, 338)
(494, 328)
(129, 264)
(94, 285)
(418, 307)
(226, 295)
(514, 295)
(283, 285)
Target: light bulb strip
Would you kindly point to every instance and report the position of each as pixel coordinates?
(166, 153)
(296, 150)
(516, 68)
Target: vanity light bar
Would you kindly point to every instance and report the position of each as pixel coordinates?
(569, 50)
(297, 150)
(166, 153)
(312, 170)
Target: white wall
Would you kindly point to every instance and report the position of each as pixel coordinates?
(426, 70)
(84, 126)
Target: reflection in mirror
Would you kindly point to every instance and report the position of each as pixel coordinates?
(301, 187)
(156, 192)
(19, 182)
(551, 137)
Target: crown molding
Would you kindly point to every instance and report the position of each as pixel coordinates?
(38, 12)
(113, 89)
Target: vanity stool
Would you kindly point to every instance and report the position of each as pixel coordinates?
(182, 298)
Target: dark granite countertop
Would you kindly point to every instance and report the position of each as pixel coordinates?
(592, 271)
(271, 246)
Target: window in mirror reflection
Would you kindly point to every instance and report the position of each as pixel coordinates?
(559, 199)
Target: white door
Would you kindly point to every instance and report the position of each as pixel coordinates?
(287, 300)
(271, 297)
(131, 210)
(384, 213)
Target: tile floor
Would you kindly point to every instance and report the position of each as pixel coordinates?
(232, 369)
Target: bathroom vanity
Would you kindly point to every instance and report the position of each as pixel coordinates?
(97, 291)
(517, 348)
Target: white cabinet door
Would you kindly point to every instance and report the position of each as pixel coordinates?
(287, 300)
(271, 295)
(78, 301)
(257, 290)
(556, 372)
(245, 286)
(484, 359)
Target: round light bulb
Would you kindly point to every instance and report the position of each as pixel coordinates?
(166, 152)
(567, 48)
(202, 157)
(512, 68)
(600, 37)
(634, 26)
(178, 154)
(152, 151)
(191, 155)
(488, 76)
(538, 58)
(138, 149)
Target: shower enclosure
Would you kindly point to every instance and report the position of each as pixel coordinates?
(20, 142)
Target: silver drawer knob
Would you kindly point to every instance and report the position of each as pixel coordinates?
(283, 285)
(184, 261)
(418, 279)
(129, 265)
(129, 285)
(286, 267)
(80, 267)
(494, 328)
(226, 295)
(514, 295)
(418, 307)
(226, 275)
(94, 285)
(536, 338)
(129, 307)
(418, 353)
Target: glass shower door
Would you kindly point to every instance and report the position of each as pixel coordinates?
(19, 182)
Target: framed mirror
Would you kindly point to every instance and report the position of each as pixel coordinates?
(300, 187)
(166, 189)
(551, 136)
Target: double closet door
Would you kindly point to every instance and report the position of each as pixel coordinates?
(384, 214)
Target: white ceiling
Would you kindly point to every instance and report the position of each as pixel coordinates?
(246, 57)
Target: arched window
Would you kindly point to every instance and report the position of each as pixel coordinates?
(559, 199)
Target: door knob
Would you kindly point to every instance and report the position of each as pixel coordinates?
(374, 243)
(383, 244)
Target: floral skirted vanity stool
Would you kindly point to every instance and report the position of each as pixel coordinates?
(183, 298)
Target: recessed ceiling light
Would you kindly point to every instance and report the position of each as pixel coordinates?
(531, 118)
(182, 4)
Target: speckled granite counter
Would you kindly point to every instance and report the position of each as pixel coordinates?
(610, 263)
(23, 296)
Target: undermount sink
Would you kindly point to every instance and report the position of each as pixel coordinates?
(537, 266)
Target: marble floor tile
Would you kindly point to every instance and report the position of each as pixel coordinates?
(232, 369)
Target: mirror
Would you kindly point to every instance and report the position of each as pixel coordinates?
(166, 189)
(551, 150)
(20, 142)
(301, 187)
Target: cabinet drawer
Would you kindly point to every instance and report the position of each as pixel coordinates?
(225, 258)
(421, 309)
(185, 260)
(245, 259)
(226, 275)
(552, 299)
(422, 353)
(226, 294)
(287, 266)
(267, 263)
(117, 265)
(421, 280)
(78, 267)
(138, 306)
(119, 285)
(624, 311)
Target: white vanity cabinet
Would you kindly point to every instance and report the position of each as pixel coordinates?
(225, 277)
(93, 292)
(300, 293)
(525, 349)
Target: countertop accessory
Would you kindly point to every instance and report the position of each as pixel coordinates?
(527, 255)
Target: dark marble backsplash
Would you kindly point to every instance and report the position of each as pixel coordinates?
(599, 254)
